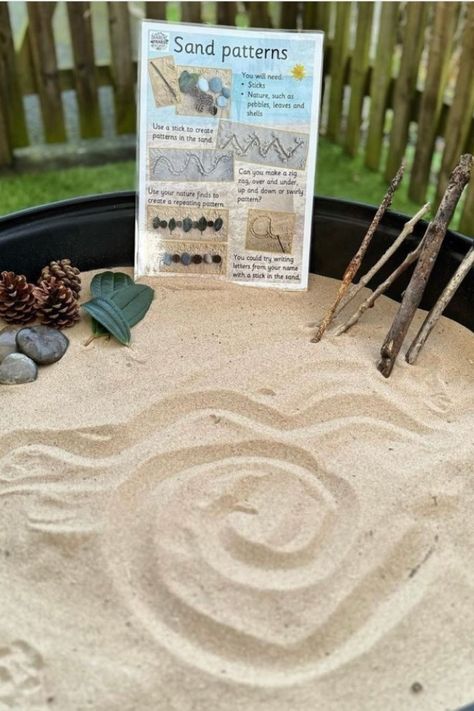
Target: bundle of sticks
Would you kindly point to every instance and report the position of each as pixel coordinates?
(424, 255)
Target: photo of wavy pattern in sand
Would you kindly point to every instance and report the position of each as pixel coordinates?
(262, 528)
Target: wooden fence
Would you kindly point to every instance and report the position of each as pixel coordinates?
(398, 76)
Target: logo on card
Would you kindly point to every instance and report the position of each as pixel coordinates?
(159, 41)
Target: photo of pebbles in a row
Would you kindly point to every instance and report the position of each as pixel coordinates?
(167, 222)
(183, 257)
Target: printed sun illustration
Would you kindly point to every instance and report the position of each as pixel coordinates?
(298, 72)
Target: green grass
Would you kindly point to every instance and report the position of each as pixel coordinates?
(337, 176)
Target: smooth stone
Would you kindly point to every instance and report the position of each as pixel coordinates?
(167, 259)
(226, 92)
(185, 259)
(207, 258)
(172, 224)
(215, 85)
(17, 368)
(203, 84)
(216, 258)
(7, 341)
(42, 344)
(218, 224)
(197, 259)
(222, 102)
(176, 258)
(187, 81)
(187, 224)
(202, 224)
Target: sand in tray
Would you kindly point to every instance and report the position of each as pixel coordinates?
(226, 516)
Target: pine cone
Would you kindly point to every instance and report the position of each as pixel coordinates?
(17, 299)
(56, 303)
(64, 271)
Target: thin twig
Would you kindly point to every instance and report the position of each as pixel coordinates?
(435, 313)
(433, 239)
(381, 289)
(407, 230)
(356, 260)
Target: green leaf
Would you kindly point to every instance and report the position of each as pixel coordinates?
(106, 284)
(133, 301)
(97, 329)
(110, 316)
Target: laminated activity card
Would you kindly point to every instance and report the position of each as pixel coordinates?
(227, 137)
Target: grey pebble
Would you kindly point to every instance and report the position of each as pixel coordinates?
(42, 344)
(16, 369)
(207, 259)
(226, 92)
(221, 101)
(7, 341)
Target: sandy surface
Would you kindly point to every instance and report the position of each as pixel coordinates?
(225, 516)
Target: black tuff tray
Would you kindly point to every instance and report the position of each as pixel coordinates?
(98, 231)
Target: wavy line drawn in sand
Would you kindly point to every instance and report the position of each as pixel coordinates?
(195, 165)
(21, 677)
(267, 146)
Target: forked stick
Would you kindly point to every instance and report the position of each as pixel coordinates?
(432, 241)
(435, 313)
(356, 260)
(407, 230)
(381, 289)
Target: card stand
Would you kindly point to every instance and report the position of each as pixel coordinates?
(216, 228)
(193, 258)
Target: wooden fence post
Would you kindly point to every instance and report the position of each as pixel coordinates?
(289, 15)
(155, 10)
(359, 66)
(405, 85)
(339, 57)
(79, 14)
(6, 150)
(316, 16)
(45, 64)
(191, 11)
(460, 114)
(226, 13)
(122, 67)
(11, 94)
(446, 15)
(380, 82)
(258, 14)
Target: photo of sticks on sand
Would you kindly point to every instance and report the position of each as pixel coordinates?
(164, 81)
(269, 231)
